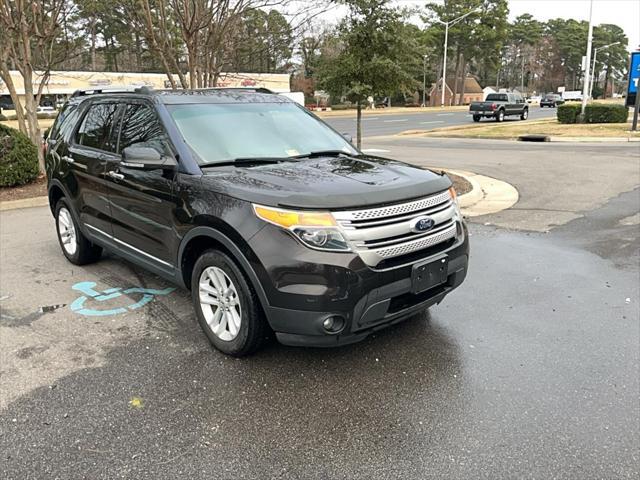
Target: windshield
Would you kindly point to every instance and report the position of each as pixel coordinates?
(224, 132)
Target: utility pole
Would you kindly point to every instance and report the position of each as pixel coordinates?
(424, 81)
(587, 75)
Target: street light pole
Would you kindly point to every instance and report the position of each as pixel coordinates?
(593, 69)
(446, 44)
(424, 81)
(585, 86)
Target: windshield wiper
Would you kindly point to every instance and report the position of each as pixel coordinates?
(246, 160)
(325, 153)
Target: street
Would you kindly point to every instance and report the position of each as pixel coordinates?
(528, 370)
(391, 124)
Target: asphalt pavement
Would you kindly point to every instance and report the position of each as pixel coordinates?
(528, 370)
(391, 124)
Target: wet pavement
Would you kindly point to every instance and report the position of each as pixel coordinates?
(529, 370)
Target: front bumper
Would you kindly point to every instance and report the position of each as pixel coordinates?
(306, 287)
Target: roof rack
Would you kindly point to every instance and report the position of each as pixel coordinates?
(98, 90)
(244, 89)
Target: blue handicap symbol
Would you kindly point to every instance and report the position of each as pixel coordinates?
(87, 288)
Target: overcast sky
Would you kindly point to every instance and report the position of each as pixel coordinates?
(624, 13)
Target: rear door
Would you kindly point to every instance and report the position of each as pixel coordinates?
(92, 146)
(142, 201)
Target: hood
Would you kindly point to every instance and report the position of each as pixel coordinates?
(326, 182)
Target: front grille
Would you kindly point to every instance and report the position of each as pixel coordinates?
(382, 233)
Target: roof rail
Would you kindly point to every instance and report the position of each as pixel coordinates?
(97, 90)
(244, 89)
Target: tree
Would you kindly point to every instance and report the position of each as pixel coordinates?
(612, 60)
(373, 58)
(32, 40)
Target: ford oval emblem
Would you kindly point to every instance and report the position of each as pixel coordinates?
(422, 224)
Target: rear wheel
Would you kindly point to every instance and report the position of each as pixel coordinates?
(476, 118)
(226, 305)
(525, 114)
(74, 244)
(500, 116)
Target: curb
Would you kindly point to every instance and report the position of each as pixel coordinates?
(24, 203)
(488, 195)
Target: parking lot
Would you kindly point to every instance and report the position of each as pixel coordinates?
(529, 370)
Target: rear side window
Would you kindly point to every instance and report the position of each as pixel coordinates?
(141, 127)
(500, 97)
(95, 130)
(64, 121)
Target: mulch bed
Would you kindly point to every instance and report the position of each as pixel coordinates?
(38, 188)
(460, 184)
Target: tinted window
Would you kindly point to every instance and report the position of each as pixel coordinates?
(500, 97)
(141, 127)
(95, 130)
(64, 121)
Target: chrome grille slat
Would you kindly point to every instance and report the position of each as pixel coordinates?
(391, 210)
(380, 233)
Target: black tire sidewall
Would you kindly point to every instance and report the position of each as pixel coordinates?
(248, 314)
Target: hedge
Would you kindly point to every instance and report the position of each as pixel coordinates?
(605, 113)
(18, 158)
(568, 112)
(593, 113)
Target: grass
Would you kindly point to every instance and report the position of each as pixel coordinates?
(550, 127)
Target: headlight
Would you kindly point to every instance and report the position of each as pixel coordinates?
(316, 230)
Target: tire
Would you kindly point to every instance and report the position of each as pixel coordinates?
(75, 246)
(500, 116)
(476, 118)
(525, 114)
(239, 305)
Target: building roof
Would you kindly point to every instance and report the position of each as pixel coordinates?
(471, 85)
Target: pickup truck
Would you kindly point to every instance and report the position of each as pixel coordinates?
(498, 106)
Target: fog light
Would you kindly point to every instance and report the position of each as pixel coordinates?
(333, 324)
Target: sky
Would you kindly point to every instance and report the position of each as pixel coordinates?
(624, 13)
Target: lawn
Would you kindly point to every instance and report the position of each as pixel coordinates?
(550, 127)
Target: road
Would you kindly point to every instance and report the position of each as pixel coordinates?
(391, 124)
(529, 370)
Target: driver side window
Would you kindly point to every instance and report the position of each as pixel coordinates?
(141, 127)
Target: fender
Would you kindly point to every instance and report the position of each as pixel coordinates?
(57, 183)
(235, 252)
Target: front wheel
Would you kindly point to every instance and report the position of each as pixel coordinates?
(476, 118)
(500, 116)
(74, 244)
(226, 305)
(525, 114)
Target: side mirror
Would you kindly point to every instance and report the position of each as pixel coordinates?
(347, 137)
(145, 157)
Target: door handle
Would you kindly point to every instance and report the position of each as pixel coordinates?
(115, 175)
(68, 159)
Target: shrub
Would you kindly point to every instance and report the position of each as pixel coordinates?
(605, 113)
(342, 106)
(568, 112)
(18, 158)
(2, 118)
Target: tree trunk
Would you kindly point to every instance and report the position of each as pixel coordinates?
(606, 80)
(452, 101)
(8, 81)
(462, 81)
(358, 124)
(92, 29)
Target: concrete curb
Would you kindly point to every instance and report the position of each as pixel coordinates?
(24, 203)
(488, 195)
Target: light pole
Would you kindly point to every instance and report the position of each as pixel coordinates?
(446, 42)
(593, 69)
(424, 81)
(585, 86)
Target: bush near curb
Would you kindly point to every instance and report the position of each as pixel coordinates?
(605, 113)
(593, 113)
(568, 112)
(18, 158)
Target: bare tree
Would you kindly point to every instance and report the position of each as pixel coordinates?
(29, 40)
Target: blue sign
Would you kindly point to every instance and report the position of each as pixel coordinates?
(79, 304)
(634, 72)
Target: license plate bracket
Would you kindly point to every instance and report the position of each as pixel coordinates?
(429, 274)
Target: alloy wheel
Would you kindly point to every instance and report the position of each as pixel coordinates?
(67, 231)
(220, 303)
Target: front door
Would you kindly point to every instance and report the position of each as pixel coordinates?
(90, 150)
(142, 201)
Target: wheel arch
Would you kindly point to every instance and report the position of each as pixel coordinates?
(202, 238)
(56, 192)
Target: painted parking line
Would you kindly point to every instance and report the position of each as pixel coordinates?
(398, 120)
(443, 114)
(370, 118)
(432, 121)
(374, 150)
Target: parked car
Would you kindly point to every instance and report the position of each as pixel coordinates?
(271, 218)
(572, 96)
(499, 106)
(535, 99)
(551, 100)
